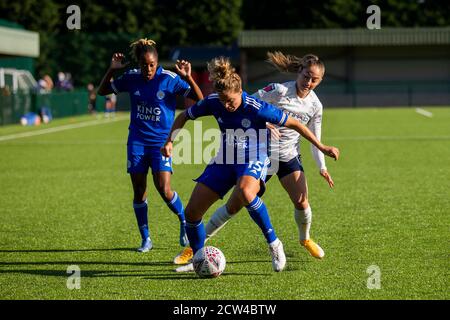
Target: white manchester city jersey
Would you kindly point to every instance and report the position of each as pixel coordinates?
(307, 110)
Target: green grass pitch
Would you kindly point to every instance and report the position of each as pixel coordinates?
(66, 200)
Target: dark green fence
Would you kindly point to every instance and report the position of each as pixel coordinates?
(64, 104)
(61, 104)
(13, 106)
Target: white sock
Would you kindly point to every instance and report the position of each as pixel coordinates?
(218, 220)
(275, 242)
(303, 219)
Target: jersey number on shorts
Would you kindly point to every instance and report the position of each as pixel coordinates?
(255, 166)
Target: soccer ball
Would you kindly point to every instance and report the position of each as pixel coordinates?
(209, 262)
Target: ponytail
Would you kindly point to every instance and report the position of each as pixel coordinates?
(293, 64)
(223, 75)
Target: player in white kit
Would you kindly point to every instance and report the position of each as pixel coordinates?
(297, 98)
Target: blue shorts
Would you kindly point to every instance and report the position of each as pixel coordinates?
(140, 158)
(222, 177)
(285, 168)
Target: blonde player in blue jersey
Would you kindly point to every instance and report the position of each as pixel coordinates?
(298, 99)
(152, 92)
(242, 121)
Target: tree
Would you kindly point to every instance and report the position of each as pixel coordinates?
(308, 14)
(201, 22)
(109, 26)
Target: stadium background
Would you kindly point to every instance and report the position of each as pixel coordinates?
(405, 63)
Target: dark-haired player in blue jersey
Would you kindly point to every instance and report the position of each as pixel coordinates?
(242, 160)
(153, 92)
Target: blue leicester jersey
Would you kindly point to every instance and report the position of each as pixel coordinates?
(153, 104)
(244, 132)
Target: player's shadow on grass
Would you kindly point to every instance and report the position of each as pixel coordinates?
(192, 275)
(76, 250)
(226, 274)
(172, 276)
(152, 274)
(84, 273)
(145, 275)
(83, 263)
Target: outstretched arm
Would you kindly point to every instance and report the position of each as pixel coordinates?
(181, 119)
(116, 64)
(307, 134)
(183, 68)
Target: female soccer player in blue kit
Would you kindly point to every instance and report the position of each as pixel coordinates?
(152, 92)
(299, 100)
(242, 121)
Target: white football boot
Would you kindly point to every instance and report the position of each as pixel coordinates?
(186, 268)
(146, 245)
(278, 256)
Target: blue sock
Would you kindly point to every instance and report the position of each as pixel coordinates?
(259, 214)
(196, 234)
(140, 210)
(177, 207)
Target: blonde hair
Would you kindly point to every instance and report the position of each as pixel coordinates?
(223, 75)
(290, 63)
(141, 46)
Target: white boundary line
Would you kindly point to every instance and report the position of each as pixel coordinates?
(60, 128)
(424, 112)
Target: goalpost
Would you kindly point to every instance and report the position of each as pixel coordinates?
(16, 79)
